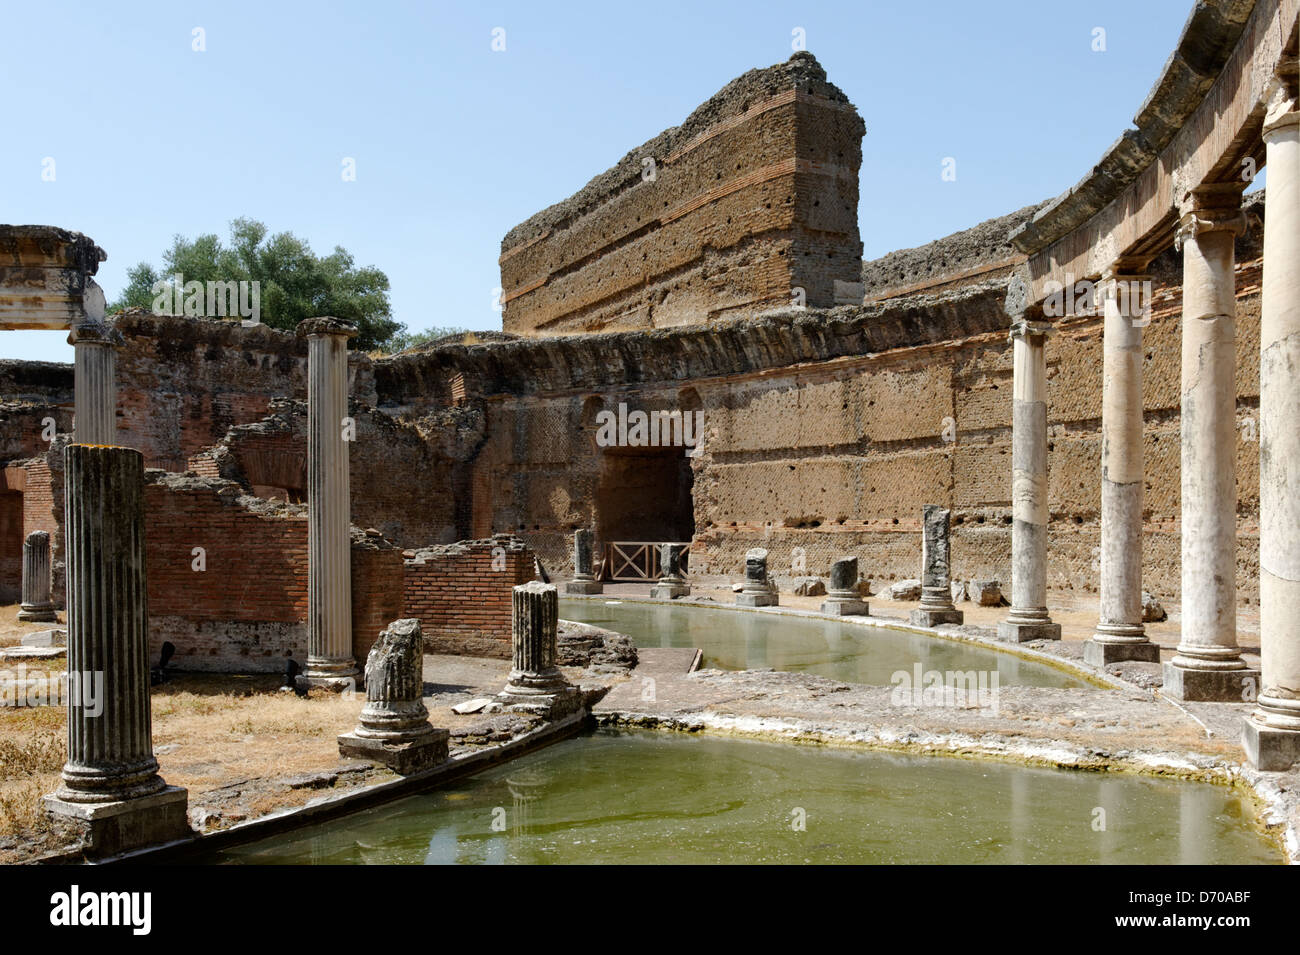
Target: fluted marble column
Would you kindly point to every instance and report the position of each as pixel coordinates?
(584, 579)
(95, 345)
(1272, 734)
(329, 546)
(37, 605)
(536, 682)
(936, 576)
(1028, 618)
(110, 781)
(1120, 634)
(1208, 665)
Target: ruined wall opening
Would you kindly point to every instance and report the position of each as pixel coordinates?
(11, 546)
(644, 494)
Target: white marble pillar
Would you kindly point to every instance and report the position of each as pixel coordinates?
(95, 346)
(1028, 618)
(1125, 301)
(1272, 734)
(329, 545)
(1208, 665)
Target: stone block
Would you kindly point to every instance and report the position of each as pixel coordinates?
(1100, 654)
(845, 607)
(1269, 749)
(401, 756)
(109, 828)
(932, 618)
(1210, 686)
(1027, 632)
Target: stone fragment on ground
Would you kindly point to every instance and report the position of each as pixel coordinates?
(905, 590)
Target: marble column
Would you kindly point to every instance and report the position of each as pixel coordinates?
(671, 583)
(95, 345)
(1272, 734)
(844, 598)
(757, 590)
(936, 576)
(1125, 302)
(1208, 664)
(1028, 618)
(111, 784)
(584, 579)
(536, 683)
(329, 546)
(394, 727)
(37, 605)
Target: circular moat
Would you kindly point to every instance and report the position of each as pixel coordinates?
(614, 797)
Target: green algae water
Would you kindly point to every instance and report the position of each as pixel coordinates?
(647, 797)
(742, 640)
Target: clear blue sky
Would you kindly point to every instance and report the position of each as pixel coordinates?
(455, 143)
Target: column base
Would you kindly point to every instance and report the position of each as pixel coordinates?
(401, 756)
(932, 618)
(1099, 653)
(758, 599)
(550, 705)
(1210, 686)
(583, 587)
(1270, 749)
(112, 827)
(663, 591)
(845, 607)
(1016, 632)
(38, 615)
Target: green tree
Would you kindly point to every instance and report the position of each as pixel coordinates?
(295, 283)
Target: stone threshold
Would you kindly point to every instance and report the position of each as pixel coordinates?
(342, 804)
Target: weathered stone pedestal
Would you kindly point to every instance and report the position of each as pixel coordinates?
(536, 684)
(1272, 733)
(1028, 618)
(330, 663)
(1208, 664)
(584, 579)
(758, 590)
(111, 786)
(671, 583)
(844, 598)
(36, 607)
(936, 583)
(394, 728)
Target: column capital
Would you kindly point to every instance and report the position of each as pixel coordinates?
(1127, 267)
(1027, 328)
(326, 325)
(1212, 207)
(95, 333)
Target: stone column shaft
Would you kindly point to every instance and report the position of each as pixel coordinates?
(936, 578)
(95, 382)
(536, 684)
(757, 590)
(1120, 635)
(1208, 665)
(584, 579)
(37, 604)
(1028, 618)
(110, 746)
(1273, 732)
(329, 544)
(844, 598)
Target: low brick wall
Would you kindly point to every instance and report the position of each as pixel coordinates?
(461, 593)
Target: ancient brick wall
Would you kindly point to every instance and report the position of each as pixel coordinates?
(461, 594)
(754, 195)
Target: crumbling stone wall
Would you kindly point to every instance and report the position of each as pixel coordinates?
(461, 593)
(754, 195)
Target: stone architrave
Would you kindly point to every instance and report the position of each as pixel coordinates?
(1208, 664)
(1272, 733)
(936, 590)
(1028, 618)
(671, 583)
(394, 727)
(536, 684)
(37, 605)
(1120, 635)
(584, 579)
(330, 662)
(758, 590)
(844, 598)
(111, 788)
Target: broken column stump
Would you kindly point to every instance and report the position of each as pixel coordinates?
(37, 607)
(394, 728)
(536, 684)
(671, 583)
(936, 584)
(844, 598)
(584, 579)
(758, 590)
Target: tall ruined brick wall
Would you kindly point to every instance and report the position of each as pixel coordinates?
(461, 594)
(31, 499)
(754, 195)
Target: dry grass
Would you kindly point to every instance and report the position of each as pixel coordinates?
(33, 748)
